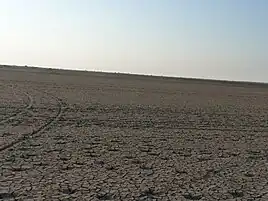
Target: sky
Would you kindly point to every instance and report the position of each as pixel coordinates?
(223, 39)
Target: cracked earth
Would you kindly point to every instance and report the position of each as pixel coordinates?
(94, 136)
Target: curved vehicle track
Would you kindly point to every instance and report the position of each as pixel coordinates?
(38, 130)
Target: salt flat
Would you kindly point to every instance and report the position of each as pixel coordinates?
(69, 135)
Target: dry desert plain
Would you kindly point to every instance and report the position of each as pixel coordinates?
(69, 135)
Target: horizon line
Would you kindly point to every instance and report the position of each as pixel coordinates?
(137, 74)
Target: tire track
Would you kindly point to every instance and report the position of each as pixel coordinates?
(34, 133)
(29, 106)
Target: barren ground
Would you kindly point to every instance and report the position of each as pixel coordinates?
(91, 136)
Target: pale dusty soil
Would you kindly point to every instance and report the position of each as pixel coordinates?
(92, 136)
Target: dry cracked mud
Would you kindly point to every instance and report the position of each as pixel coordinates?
(67, 135)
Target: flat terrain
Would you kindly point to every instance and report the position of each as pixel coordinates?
(96, 136)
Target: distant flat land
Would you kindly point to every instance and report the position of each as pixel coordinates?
(75, 135)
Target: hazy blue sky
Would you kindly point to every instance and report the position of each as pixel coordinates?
(224, 39)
